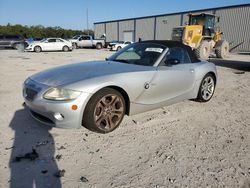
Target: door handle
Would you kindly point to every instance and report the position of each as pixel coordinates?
(191, 70)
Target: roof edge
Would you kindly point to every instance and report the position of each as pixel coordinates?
(175, 13)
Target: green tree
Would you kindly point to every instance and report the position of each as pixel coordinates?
(39, 31)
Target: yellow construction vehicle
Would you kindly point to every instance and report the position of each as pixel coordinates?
(201, 35)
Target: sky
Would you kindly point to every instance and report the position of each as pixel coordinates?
(72, 14)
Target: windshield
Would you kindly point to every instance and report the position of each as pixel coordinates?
(76, 37)
(43, 40)
(139, 53)
(207, 21)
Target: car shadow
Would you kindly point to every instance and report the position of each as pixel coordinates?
(40, 170)
(238, 65)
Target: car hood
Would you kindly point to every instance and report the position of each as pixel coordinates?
(34, 42)
(72, 40)
(69, 74)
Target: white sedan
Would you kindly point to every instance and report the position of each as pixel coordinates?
(50, 44)
(120, 45)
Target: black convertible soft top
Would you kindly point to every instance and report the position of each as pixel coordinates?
(170, 44)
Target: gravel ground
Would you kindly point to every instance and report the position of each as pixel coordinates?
(188, 144)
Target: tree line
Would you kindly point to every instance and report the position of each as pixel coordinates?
(39, 31)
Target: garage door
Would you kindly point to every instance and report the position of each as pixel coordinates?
(128, 36)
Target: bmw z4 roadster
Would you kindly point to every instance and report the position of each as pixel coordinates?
(140, 77)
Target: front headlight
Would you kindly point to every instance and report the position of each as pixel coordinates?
(60, 94)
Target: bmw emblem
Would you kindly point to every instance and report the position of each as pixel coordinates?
(146, 85)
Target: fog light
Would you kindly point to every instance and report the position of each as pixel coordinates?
(58, 116)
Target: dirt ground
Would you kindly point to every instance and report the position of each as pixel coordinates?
(188, 144)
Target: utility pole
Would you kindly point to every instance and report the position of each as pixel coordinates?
(88, 21)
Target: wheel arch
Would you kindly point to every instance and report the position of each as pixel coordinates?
(113, 87)
(37, 46)
(214, 75)
(196, 87)
(65, 46)
(120, 90)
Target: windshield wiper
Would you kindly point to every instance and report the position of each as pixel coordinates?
(120, 60)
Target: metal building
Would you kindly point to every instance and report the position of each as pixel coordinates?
(234, 22)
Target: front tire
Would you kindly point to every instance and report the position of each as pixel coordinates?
(104, 111)
(37, 49)
(203, 51)
(207, 88)
(74, 45)
(65, 49)
(118, 48)
(14, 46)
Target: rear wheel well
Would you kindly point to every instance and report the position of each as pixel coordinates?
(213, 74)
(99, 43)
(37, 46)
(125, 96)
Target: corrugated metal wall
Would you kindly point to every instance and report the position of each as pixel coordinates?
(111, 31)
(234, 22)
(99, 30)
(164, 26)
(125, 26)
(144, 29)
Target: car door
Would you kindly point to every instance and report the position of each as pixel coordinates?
(171, 81)
(49, 45)
(59, 44)
(85, 41)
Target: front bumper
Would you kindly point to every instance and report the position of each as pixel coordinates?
(113, 48)
(28, 49)
(56, 113)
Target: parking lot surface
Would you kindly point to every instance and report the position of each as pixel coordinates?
(188, 144)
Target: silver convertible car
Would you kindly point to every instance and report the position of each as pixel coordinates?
(140, 77)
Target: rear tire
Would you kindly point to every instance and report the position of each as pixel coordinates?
(207, 88)
(65, 49)
(104, 111)
(98, 46)
(37, 49)
(118, 48)
(14, 46)
(222, 49)
(74, 45)
(203, 51)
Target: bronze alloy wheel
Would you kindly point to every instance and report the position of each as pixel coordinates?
(109, 112)
(104, 111)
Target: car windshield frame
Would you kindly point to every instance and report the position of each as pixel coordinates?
(43, 40)
(76, 37)
(143, 61)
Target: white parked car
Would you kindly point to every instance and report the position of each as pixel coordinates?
(120, 45)
(50, 44)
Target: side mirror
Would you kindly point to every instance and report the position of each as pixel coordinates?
(80, 39)
(172, 61)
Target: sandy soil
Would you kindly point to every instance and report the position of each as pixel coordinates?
(188, 144)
